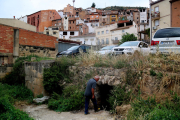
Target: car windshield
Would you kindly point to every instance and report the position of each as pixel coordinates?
(135, 43)
(167, 33)
(107, 48)
(73, 48)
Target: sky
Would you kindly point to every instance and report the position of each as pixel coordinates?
(18, 8)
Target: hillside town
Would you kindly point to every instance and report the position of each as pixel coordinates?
(125, 59)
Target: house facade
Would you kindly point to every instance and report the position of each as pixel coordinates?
(161, 15)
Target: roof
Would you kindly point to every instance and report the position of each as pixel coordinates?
(121, 28)
(156, 2)
(123, 21)
(86, 35)
(41, 11)
(56, 19)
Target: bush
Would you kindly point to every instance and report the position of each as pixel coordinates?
(120, 64)
(118, 96)
(152, 72)
(72, 98)
(56, 75)
(8, 111)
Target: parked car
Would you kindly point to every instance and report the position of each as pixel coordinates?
(106, 50)
(74, 50)
(166, 40)
(128, 48)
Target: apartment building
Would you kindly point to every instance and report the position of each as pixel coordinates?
(42, 19)
(161, 15)
(113, 17)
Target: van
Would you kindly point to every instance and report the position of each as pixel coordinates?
(166, 41)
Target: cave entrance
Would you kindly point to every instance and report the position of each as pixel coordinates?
(103, 93)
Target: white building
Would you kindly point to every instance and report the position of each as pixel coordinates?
(65, 23)
(144, 22)
(92, 26)
(112, 34)
(24, 19)
(89, 39)
(91, 10)
(68, 34)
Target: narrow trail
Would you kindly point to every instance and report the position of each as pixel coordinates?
(41, 112)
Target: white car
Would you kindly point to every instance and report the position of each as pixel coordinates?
(106, 50)
(128, 48)
(166, 41)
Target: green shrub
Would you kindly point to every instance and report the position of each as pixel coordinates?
(101, 64)
(56, 75)
(152, 72)
(8, 111)
(162, 113)
(72, 98)
(159, 76)
(118, 96)
(141, 107)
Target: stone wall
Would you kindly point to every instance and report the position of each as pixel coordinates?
(25, 50)
(34, 76)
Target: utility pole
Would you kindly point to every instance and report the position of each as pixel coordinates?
(150, 21)
(73, 3)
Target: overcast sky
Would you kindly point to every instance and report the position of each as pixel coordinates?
(18, 8)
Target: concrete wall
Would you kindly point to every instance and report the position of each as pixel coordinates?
(34, 76)
(17, 23)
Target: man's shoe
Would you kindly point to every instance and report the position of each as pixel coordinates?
(86, 113)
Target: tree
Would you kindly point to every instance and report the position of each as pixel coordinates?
(93, 5)
(128, 37)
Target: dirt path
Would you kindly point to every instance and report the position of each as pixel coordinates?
(41, 112)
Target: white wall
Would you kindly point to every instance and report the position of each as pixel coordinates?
(65, 24)
(91, 9)
(79, 22)
(88, 40)
(76, 33)
(92, 26)
(61, 14)
(24, 19)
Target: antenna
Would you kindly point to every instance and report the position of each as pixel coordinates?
(73, 2)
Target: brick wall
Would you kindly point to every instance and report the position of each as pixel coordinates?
(6, 39)
(35, 39)
(175, 14)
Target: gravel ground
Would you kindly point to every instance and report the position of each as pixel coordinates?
(41, 112)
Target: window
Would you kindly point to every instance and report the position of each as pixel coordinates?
(102, 41)
(107, 31)
(137, 22)
(71, 33)
(98, 33)
(123, 30)
(156, 9)
(64, 27)
(64, 33)
(47, 33)
(50, 17)
(156, 22)
(98, 42)
(112, 31)
(92, 16)
(54, 33)
(97, 16)
(113, 20)
(167, 33)
(137, 17)
(96, 24)
(73, 21)
(113, 16)
(102, 32)
(116, 38)
(107, 40)
(70, 27)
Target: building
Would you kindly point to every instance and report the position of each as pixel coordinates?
(161, 15)
(104, 17)
(144, 25)
(94, 16)
(24, 19)
(17, 23)
(42, 19)
(66, 34)
(123, 27)
(175, 13)
(69, 9)
(88, 39)
(113, 16)
(103, 34)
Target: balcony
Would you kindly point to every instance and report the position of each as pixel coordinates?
(155, 16)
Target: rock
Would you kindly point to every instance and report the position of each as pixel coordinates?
(40, 100)
(123, 110)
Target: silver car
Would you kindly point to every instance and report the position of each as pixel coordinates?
(166, 41)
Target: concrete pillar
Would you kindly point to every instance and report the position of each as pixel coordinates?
(16, 43)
